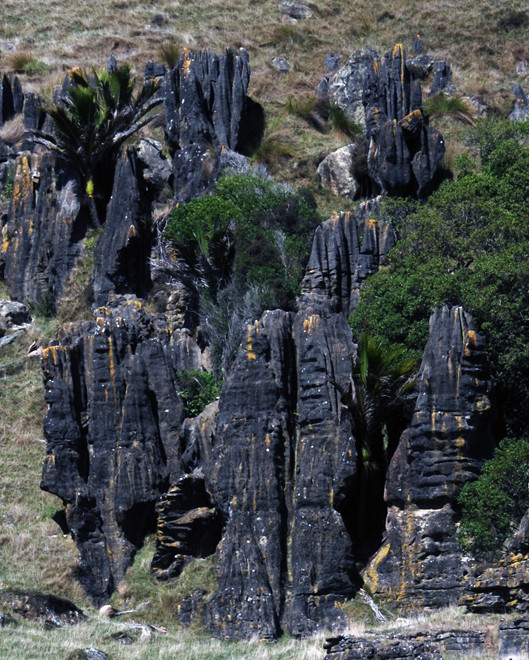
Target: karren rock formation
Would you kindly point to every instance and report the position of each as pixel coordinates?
(274, 479)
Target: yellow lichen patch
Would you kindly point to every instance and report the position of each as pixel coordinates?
(267, 440)
(5, 240)
(249, 347)
(131, 231)
(22, 185)
(483, 403)
(309, 323)
(186, 64)
(74, 70)
(111, 367)
(471, 340)
(433, 420)
(234, 500)
(52, 350)
(459, 442)
(398, 51)
(372, 223)
(371, 574)
(375, 66)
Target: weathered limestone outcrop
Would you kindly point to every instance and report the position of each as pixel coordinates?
(404, 153)
(346, 250)
(45, 230)
(121, 263)
(113, 433)
(420, 563)
(46, 609)
(285, 463)
(384, 95)
(401, 646)
(346, 86)
(207, 111)
(502, 585)
(514, 639)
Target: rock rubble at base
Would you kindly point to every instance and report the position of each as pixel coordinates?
(402, 646)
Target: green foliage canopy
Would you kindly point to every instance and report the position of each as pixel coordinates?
(96, 113)
(250, 229)
(493, 505)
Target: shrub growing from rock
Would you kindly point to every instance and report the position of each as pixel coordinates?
(493, 505)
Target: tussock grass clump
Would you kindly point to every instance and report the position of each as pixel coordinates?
(13, 130)
(26, 63)
(442, 105)
(169, 53)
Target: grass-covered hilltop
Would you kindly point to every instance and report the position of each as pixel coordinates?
(264, 330)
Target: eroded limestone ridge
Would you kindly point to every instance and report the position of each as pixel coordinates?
(113, 433)
(208, 113)
(420, 563)
(285, 467)
(404, 152)
(347, 248)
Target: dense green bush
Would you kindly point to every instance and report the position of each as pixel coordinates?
(248, 243)
(250, 229)
(493, 505)
(468, 244)
(197, 389)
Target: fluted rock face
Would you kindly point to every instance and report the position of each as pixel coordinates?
(44, 232)
(113, 434)
(206, 111)
(122, 252)
(346, 249)
(420, 563)
(404, 153)
(205, 97)
(285, 462)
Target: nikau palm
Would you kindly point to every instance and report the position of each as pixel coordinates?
(382, 388)
(92, 120)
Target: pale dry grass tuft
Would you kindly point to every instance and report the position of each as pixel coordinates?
(13, 130)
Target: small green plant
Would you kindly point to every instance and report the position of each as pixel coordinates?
(492, 506)
(197, 389)
(169, 54)
(25, 63)
(7, 189)
(92, 120)
(442, 105)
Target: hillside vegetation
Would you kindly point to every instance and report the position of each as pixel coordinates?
(468, 244)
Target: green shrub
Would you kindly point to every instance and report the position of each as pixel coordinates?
(248, 243)
(251, 229)
(197, 388)
(493, 505)
(443, 105)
